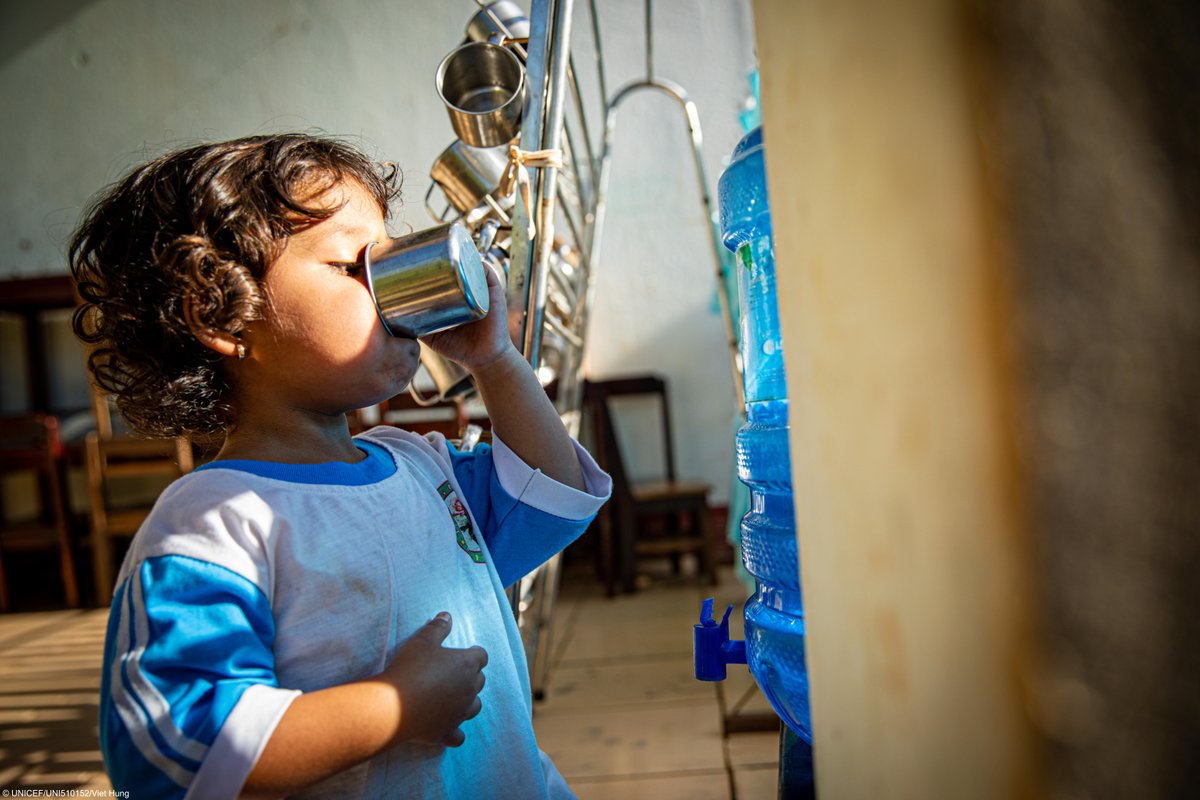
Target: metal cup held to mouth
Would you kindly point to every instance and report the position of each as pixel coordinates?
(483, 87)
(427, 281)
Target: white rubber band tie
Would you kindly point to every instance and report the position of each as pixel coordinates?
(516, 173)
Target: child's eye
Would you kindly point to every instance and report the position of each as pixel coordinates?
(348, 267)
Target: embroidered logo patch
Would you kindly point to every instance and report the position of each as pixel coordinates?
(462, 523)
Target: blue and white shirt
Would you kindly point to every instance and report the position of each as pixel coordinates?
(252, 582)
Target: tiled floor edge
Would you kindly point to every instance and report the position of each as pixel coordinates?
(638, 776)
(632, 706)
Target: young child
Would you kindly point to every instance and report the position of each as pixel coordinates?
(282, 623)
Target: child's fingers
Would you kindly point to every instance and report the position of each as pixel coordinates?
(497, 293)
(475, 708)
(437, 629)
(478, 654)
(456, 737)
(492, 273)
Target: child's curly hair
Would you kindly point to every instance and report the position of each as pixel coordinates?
(184, 241)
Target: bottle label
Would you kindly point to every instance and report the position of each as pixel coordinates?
(762, 341)
(746, 259)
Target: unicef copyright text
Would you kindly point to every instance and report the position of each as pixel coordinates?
(62, 793)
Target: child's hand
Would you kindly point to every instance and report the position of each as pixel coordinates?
(438, 686)
(476, 343)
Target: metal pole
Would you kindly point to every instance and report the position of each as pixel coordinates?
(797, 778)
(520, 260)
(599, 56)
(546, 190)
(649, 41)
(541, 129)
(540, 667)
(550, 26)
(577, 101)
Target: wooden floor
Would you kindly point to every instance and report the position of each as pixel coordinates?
(625, 719)
(49, 693)
(622, 718)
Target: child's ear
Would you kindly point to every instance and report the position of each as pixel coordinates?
(219, 341)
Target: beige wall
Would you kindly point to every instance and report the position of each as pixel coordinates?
(93, 87)
(911, 535)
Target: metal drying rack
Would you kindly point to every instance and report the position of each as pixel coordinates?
(551, 276)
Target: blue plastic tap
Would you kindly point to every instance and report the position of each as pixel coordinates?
(711, 647)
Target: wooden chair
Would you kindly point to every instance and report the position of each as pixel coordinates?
(681, 506)
(30, 443)
(124, 461)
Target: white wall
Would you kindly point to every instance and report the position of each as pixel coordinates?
(92, 88)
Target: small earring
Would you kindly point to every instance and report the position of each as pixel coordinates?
(241, 351)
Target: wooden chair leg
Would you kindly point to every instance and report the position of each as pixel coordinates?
(680, 524)
(604, 552)
(102, 566)
(708, 566)
(62, 519)
(66, 563)
(3, 584)
(101, 551)
(626, 553)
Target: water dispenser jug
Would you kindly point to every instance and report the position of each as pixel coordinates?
(774, 614)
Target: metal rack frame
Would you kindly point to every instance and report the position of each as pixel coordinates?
(579, 199)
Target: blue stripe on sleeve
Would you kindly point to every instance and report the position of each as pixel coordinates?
(186, 638)
(473, 471)
(128, 769)
(519, 537)
(528, 537)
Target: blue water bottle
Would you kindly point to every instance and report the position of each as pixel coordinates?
(775, 612)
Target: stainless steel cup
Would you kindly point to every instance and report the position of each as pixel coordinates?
(481, 27)
(467, 174)
(427, 281)
(483, 87)
(452, 380)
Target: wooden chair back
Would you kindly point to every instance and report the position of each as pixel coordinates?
(31, 443)
(115, 461)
